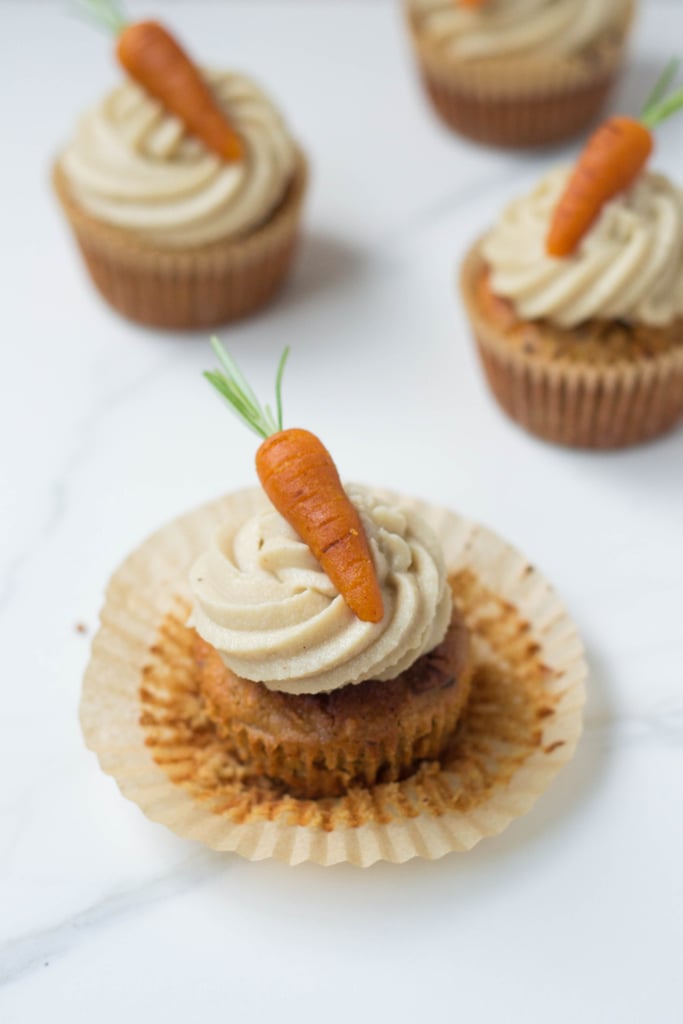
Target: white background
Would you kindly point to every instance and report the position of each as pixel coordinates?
(107, 430)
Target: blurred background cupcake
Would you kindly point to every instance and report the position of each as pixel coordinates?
(519, 72)
(174, 233)
(575, 296)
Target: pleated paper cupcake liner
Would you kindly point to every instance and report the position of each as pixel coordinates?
(192, 288)
(608, 406)
(143, 714)
(519, 102)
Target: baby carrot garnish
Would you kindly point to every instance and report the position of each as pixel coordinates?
(471, 3)
(150, 55)
(298, 475)
(611, 161)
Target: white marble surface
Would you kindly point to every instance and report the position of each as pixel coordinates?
(108, 430)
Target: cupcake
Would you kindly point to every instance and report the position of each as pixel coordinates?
(330, 655)
(519, 72)
(575, 296)
(177, 228)
(307, 693)
(313, 671)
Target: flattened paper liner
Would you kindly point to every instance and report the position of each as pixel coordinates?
(141, 712)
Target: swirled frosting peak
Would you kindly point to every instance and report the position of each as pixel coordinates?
(264, 602)
(134, 166)
(629, 265)
(516, 28)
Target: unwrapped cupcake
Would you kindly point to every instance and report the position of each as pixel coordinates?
(330, 654)
(183, 187)
(519, 72)
(576, 295)
(307, 693)
(313, 671)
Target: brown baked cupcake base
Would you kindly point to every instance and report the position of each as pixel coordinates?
(517, 122)
(191, 288)
(604, 384)
(322, 745)
(142, 713)
(519, 102)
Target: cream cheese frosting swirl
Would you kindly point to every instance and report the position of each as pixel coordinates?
(134, 166)
(629, 265)
(516, 28)
(264, 602)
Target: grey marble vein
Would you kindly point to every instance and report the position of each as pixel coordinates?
(663, 724)
(466, 192)
(23, 954)
(56, 499)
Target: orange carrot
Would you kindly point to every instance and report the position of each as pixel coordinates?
(471, 3)
(300, 478)
(611, 161)
(153, 58)
(298, 475)
(151, 55)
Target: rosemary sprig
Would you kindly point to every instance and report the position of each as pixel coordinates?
(106, 14)
(659, 106)
(234, 387)
(662, 84)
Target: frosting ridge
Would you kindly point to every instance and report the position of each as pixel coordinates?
(628, 266)
(264, 602)
(516, 28)
(134, 166)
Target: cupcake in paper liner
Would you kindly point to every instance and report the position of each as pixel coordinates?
(179, 230)
(575, 296)
(519, 72)
(315, 672)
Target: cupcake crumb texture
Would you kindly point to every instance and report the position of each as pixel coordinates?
(511, 704)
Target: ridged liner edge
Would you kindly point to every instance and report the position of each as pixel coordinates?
(143, 590)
